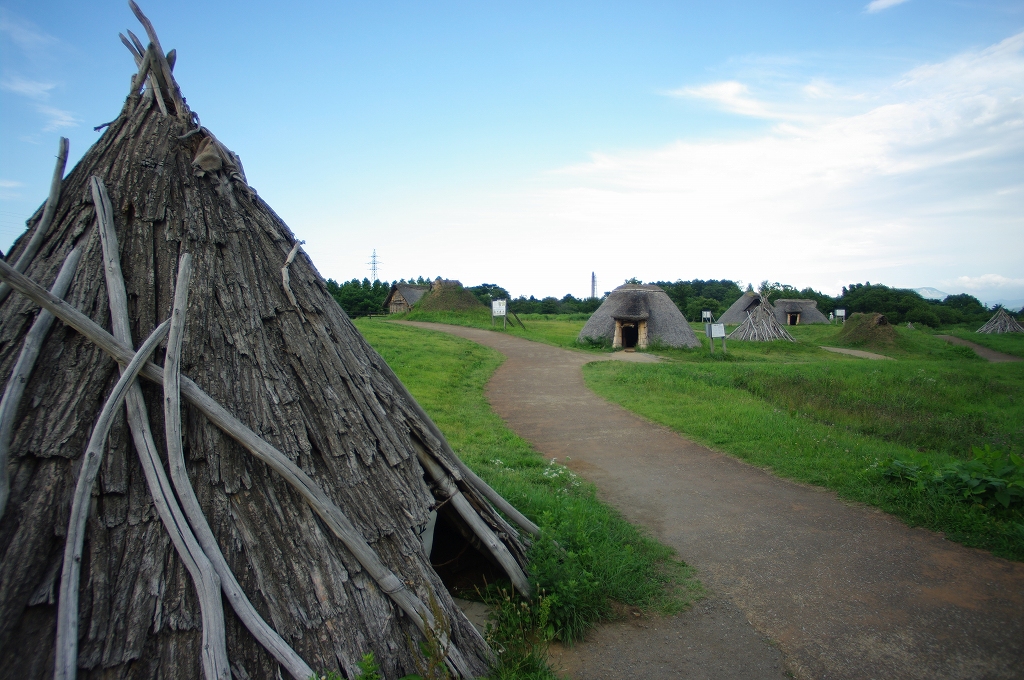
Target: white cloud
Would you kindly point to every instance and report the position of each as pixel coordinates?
(985, 282)
(879, 5)
(57, 119)
(733, 96)
(32, 89)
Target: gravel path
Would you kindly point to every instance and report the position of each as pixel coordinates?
(983, 352)
(841, 591)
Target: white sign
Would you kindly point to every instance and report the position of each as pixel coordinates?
(498, 307)
(841, 312)
(718, 330)
(705, 316)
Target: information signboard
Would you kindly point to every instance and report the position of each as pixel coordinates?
(718, 330)
(498, 307)
(705, 316)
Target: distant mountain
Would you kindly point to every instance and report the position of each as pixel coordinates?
(931, 293)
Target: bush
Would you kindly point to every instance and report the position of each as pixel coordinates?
(990, 477)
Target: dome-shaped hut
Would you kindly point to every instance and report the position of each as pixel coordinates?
(273, 462)
(637, 315)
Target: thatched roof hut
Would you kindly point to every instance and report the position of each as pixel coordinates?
(403, 296)
(1001, 322)
(274, 457)
(737, 312)
(636, 315)
(796, 312)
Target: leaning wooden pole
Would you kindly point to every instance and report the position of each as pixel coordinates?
(66, 664)
(260, 629)
(23, 370)
(25, 259)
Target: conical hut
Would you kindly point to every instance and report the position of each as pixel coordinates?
(761, 325)
(637, 315)
(256, 502)
(1001, 322)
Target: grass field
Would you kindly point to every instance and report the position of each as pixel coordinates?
(828, 420)
(601, 557)
(1008, 343)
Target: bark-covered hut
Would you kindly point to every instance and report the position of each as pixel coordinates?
(637, 315)
(261, 506)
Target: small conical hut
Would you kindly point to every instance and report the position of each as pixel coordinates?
(761, 325)
(637, 315)
(1001, 322)
(252, 492)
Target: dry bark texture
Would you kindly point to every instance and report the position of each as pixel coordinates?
(299, 375)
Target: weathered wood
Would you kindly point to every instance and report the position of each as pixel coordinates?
(136, 42)
(140, 77)
(66, 665)
(218, 415)
(44, 223)
(312, 399)
(23, 370)
(154, 80)
(268, 637)
(285, 276)
(163, 67)
(1001, 322)
(479, 528)
(136, 54)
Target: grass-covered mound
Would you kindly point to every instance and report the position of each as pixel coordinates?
(868, 330)
(449, 296)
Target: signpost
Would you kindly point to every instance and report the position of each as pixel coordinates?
(715, 330)
(841, 314)
(706, 316)
(498, 308)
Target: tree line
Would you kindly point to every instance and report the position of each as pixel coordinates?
(900, 305)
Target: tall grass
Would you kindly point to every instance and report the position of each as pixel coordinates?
(559, 330)
(587, 554)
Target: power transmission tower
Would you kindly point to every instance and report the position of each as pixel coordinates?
(373, 265)
(593, 285)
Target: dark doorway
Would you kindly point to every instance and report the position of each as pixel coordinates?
(630, 335)
(794, 318)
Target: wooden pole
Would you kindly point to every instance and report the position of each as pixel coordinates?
(23, 370)
(66, 664)
(25, 259)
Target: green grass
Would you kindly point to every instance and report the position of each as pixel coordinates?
(599, 557)
(827, 419)
(559, 330)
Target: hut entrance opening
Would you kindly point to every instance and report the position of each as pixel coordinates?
(793, 318)
(462, 563)
(630, 334)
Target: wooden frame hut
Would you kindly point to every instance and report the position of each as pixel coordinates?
(761, 325)
(1001, 322)
(254, 451)
(636, 315)
(403, 297)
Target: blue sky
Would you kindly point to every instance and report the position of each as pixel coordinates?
(816, 144)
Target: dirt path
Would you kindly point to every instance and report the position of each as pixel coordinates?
(855, 353)
(843, 591)
(983, 352)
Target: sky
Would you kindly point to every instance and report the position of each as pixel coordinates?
(530, 144)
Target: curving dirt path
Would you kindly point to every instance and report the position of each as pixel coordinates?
(983, 352)
(842, 591)
(855, 353)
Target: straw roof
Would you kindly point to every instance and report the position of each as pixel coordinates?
(807, 309)
(302, 473)
(636, 302)
(737, 312)
(411, 293)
